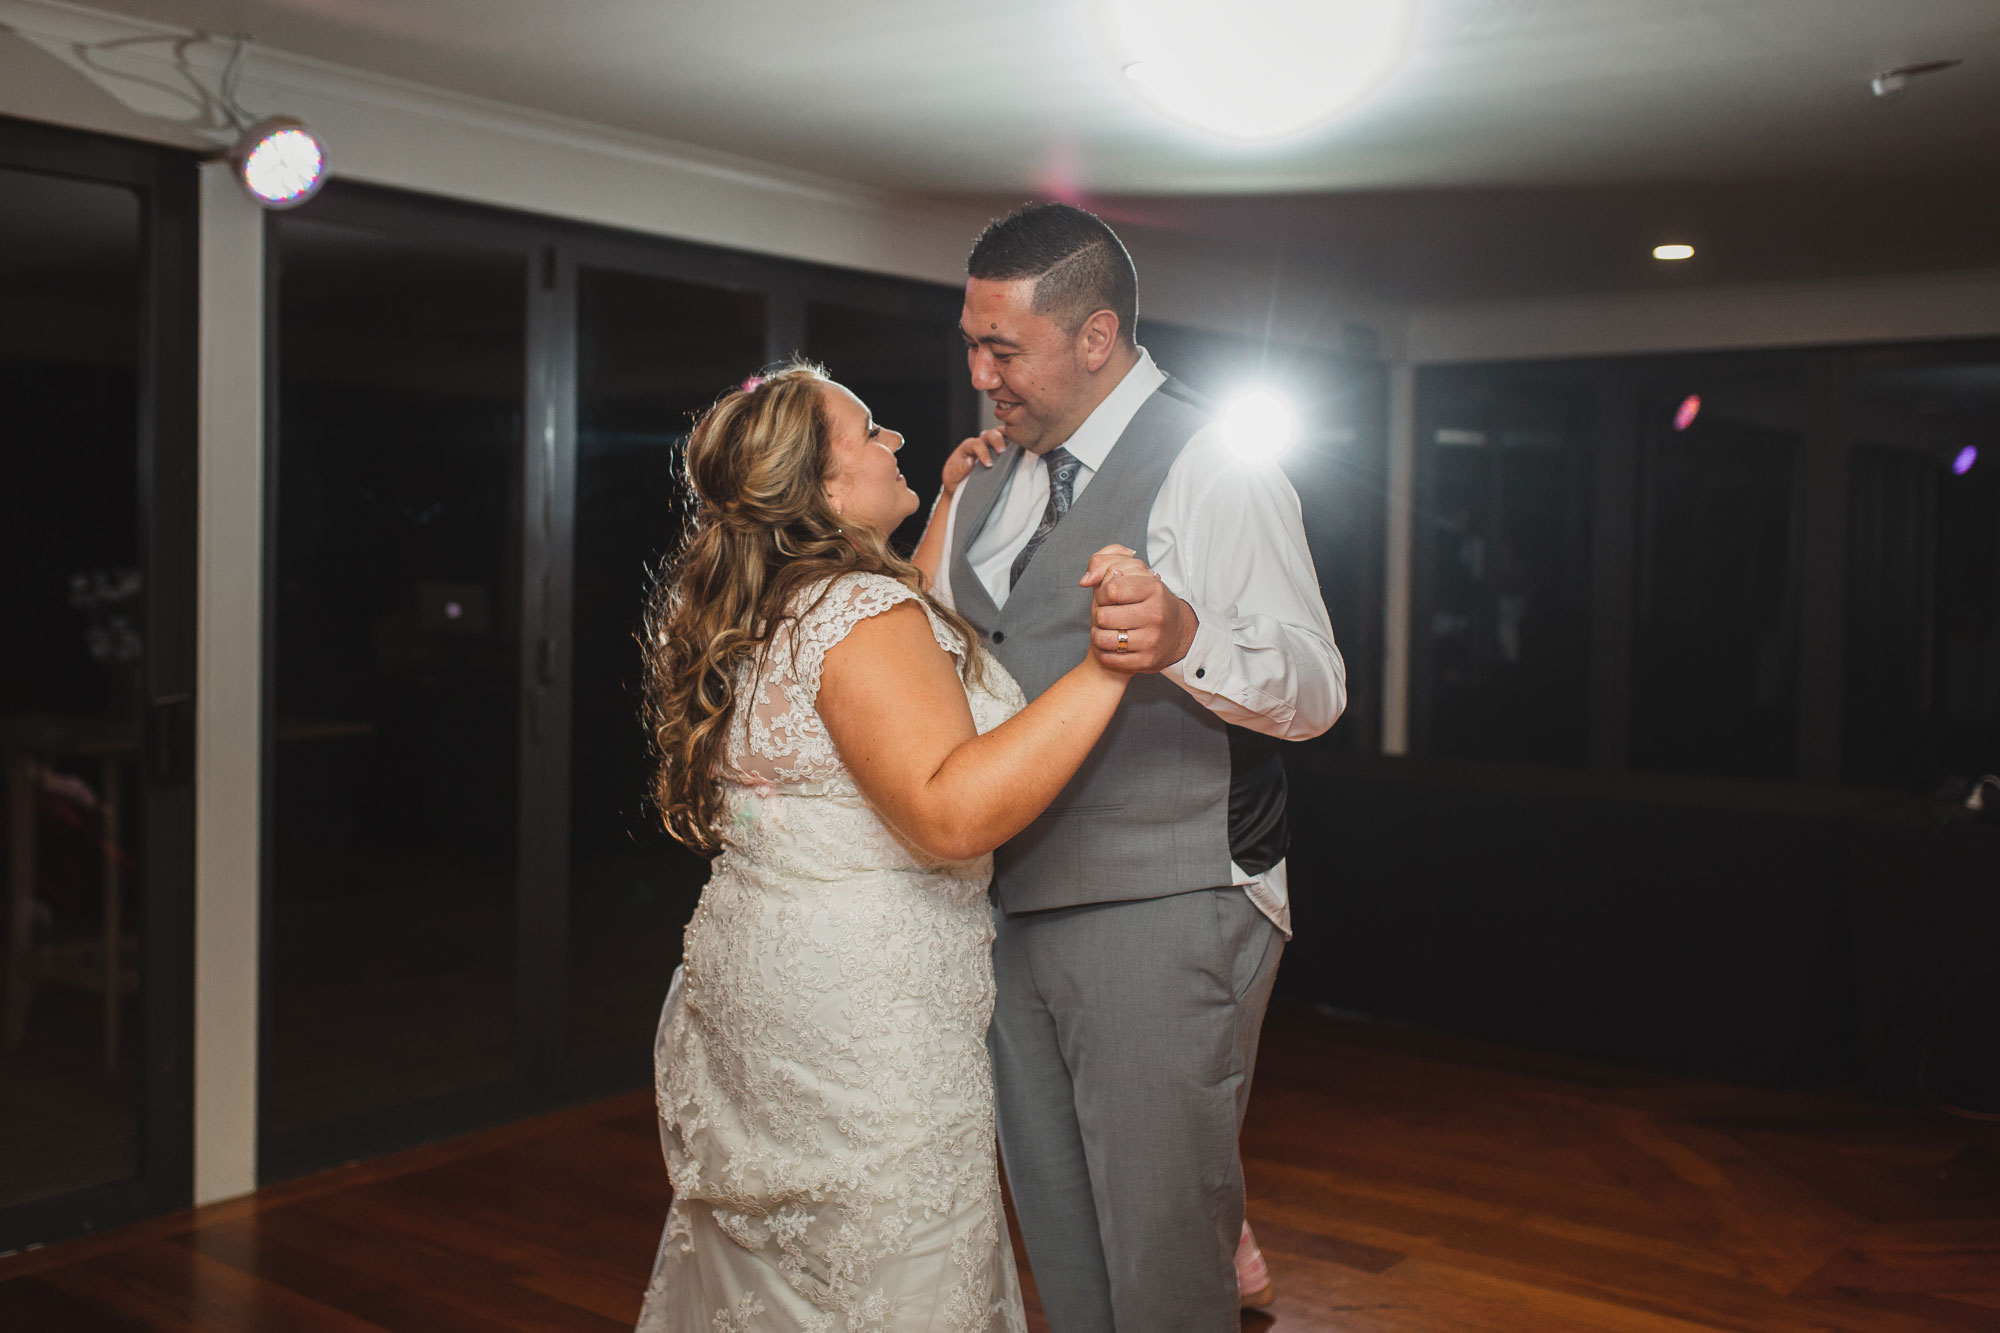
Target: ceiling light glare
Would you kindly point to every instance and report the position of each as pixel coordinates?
(1689, 409)
(1259, 425)
(1258, 69)
(280, 162)
(1966, 458)
(1673, 252)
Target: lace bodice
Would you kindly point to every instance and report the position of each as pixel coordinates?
(779, 753)
(776, 737)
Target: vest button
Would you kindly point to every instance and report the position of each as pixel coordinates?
(999, 636)
(1199, 672)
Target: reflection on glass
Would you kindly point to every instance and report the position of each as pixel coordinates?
(1506, 520)
(71, 615)
(1923, 610)
(651, 353)
(902, 367)
(1715, 677)
(400, 401)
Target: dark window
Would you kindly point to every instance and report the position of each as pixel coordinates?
(401, 369)
(1502, 527)
(1716, 646)
(907, 365)
(97, 520)
(1923, 610)
(73, 602)
(651, 353)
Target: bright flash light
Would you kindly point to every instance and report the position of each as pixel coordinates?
(280, 162)
(1257, 69)
(1259, 425)
(1673, 252)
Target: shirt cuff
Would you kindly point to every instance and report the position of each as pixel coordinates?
(1201, 670)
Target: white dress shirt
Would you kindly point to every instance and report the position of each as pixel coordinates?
(1226, 536)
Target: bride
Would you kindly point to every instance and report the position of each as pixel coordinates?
(851, 756)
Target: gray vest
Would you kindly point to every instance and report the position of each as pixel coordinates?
(1153, 811)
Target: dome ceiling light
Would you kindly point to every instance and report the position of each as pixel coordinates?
(1257, 69)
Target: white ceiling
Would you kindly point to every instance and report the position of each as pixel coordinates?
(1578, 129)
(986, 97)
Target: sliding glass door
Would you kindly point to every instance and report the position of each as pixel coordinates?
(396, 625)
(656, 341)
(96, 683)
(476, 432)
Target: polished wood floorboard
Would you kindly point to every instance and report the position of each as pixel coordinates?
(1400, 1182)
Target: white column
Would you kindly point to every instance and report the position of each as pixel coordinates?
(1396, 565)
(228, 689)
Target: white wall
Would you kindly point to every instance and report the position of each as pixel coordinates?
(1947, 305)
(228, 688)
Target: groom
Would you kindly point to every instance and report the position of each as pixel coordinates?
(1140, 919)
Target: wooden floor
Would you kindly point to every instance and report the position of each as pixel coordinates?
(1398, 1181)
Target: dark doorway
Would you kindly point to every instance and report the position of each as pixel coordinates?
(96, 686)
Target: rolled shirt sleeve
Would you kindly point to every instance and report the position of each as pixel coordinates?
(1227, 537)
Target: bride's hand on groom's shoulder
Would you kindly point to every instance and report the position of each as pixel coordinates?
(979, 451)
(1136, 624)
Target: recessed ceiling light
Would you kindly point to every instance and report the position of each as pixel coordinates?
(1257, 69)
(1673, 252)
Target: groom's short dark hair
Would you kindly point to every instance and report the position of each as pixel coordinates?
(1078, 264)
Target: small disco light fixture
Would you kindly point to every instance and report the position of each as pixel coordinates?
(1689, 409)
(1673, 252)
(1259, 425)
(1966, 458)
(280, 162)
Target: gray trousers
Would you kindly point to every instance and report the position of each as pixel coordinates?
(1123, 1041)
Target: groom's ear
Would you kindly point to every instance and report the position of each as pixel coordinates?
(1097, 339)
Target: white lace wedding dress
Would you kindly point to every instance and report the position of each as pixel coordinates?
(826, 1105)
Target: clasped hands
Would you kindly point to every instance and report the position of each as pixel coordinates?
(1136, 625)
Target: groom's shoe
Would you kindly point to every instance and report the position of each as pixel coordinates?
(1253, 1276)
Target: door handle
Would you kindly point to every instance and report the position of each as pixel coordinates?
(170, 738)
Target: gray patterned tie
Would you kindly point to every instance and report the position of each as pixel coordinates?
(1063, 467)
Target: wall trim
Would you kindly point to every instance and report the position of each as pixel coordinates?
(228, 690)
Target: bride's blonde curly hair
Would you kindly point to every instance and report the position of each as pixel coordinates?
(760, 529)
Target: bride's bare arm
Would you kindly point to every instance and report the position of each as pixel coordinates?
(979, 451)
(892, 702)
